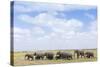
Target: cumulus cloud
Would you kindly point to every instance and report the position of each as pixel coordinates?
(20, 33)
(70, 25)
(58, 26)
(38, 32)
(65, 34)
(45, 19)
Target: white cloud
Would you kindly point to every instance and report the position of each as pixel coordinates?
(67, 40)
(25, 18)
(38, 32)
(60, 27)
(45, 19)
(68, 25)
(65, 34)
(18, 30)
(40, 19)
(93, 26)
(90, 16)
(20, 33)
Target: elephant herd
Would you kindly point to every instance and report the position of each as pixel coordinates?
(58, 55)
(81, 54)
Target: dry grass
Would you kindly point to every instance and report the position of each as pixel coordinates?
(19, 58)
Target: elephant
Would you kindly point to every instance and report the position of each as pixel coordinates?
(39, 55)
(63, 55)
(79, 53)
(49, 55)
(89, 54)
(57, 57)
(29, 57)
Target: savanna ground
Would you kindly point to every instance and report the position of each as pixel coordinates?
(19, 58)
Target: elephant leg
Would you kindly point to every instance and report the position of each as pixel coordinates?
(36, 57)
(92, 56)
(77, 56)
(42, 57)
(30, 58)
(81, 56)
(56, 57)
(26, 57)
(88, 56)
(84, 56)
(51, 58)
(68, 58)
(71, 57)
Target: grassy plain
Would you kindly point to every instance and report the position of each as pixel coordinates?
(19, 58)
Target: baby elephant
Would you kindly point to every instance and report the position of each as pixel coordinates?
(89, 54)
(29, 57)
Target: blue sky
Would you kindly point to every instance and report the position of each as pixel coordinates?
(45, 26)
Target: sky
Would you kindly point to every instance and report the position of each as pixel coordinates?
(52, 26)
